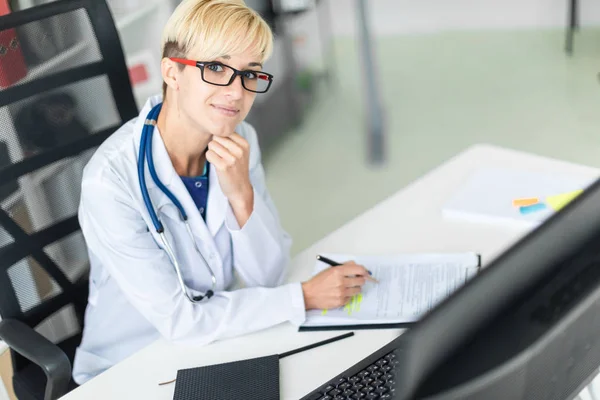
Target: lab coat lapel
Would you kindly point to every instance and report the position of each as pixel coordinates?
(167, 174)
(204, 239)
(217, 203)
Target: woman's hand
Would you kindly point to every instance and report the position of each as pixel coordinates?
(334, 287)
(230, 157)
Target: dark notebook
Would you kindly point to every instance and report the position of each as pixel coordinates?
(254, 379)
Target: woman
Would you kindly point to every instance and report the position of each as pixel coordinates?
(146, 281)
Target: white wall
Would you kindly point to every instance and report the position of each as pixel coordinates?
(390, 17)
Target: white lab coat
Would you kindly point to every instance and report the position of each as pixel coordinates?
(135, 297)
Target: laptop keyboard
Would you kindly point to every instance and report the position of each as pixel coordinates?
(375, 382)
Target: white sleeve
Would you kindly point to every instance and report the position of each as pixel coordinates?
(118, 236)
(261, 248)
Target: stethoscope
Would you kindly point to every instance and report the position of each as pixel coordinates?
(146, 152)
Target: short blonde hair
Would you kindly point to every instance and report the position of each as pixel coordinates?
(214, 28)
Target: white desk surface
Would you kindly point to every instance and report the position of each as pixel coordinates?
(408, 221)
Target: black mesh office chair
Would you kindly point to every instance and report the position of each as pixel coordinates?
(64, 88)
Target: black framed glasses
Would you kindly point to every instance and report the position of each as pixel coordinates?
(219, 74)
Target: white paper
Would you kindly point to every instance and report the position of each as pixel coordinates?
(487, 196)
(409, 286)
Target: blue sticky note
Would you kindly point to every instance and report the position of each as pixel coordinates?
(532, 208)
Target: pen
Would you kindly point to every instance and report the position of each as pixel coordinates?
(328, 261)
(312, 346)
(336, 264)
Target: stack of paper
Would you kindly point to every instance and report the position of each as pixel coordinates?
(409, 286)
(513, 197)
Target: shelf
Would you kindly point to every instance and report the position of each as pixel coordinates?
(126, 19)
(51, 64)
(12, 199)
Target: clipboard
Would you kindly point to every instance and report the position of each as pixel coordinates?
(373, 326)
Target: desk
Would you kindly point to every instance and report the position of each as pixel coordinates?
(408, 221)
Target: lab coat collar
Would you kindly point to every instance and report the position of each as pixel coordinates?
(216, 202)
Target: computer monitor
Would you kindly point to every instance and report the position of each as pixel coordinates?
(527, 327)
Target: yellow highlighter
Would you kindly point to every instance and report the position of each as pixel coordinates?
(560, 200)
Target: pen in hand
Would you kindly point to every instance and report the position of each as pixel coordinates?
(336, 264)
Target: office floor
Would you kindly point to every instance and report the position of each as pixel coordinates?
(442, 93)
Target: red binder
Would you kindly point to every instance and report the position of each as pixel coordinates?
(12, 63)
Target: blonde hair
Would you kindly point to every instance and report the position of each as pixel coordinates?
(213, 28)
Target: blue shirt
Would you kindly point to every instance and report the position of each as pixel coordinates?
(197, 186)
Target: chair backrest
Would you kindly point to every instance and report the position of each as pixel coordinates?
(64, 88)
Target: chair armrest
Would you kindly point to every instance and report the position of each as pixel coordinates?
(39, 350)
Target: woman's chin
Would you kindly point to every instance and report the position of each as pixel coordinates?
(223, 130)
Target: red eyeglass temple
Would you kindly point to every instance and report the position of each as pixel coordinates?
(193, 64)
(183, 61)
